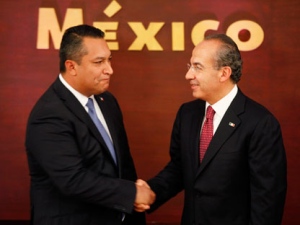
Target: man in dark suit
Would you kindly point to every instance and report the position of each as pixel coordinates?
(75, 178)
(240, 178)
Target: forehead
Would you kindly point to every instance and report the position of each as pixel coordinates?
(96, 47)
(205, 52)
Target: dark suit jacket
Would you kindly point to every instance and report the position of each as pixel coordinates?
(74, 180)
(242, 178)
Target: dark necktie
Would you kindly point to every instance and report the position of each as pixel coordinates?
(207, 131)
(93, 115)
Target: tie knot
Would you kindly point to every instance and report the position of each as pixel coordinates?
(210, 112)
(90, 104)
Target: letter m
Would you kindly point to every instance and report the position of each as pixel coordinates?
(48, 26)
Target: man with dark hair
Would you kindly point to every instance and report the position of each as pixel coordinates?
(81, 169)
(226, 150)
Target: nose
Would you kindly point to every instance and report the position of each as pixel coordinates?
(189, 75)
(108, 69)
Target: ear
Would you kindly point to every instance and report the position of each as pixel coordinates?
(225, 73)
(71, 67)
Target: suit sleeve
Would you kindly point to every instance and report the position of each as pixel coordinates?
(169, 181)
(268, 181)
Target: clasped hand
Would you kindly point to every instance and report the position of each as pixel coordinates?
(144, 196)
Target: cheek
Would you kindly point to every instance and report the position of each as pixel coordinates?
(210, 80)
(96, 77)
(206, 85)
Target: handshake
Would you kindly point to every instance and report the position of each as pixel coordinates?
(144, 196)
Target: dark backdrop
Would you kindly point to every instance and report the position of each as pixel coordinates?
(148, 82)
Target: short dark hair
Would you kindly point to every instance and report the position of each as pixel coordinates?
(71, 46)
(228, 55)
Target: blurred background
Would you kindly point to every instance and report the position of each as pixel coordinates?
(151, 43)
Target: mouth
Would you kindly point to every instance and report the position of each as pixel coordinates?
(102, 79)
(193, 85)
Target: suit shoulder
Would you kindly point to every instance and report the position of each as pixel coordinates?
(258, 112)
(191, 105)
(256, 107)
(49, 103)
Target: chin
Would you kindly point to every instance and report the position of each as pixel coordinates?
(196, 95)
(103, 87)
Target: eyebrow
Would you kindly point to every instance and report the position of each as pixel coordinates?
(102, 58)
(197, 64)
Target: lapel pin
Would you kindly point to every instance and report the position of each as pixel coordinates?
(101, 99)
(231, 124)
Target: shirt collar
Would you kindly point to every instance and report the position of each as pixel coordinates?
(80, 97)
(222, 105)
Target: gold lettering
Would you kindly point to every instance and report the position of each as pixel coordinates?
(145, 36)
(48, 26)
(200, 28)
(177, 36)
(107, 28)
(256, 34)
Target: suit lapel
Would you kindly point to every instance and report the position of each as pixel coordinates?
(194, 122)
(71, 101)
(229, 123)
(76, 108)
(110, 124)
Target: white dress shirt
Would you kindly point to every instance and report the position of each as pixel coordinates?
(83, 100)
(220, 107)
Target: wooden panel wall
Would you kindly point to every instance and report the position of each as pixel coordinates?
(149, 83)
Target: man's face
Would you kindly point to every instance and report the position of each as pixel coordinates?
(94, 72)
(204, 78)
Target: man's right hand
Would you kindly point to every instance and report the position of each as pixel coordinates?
(144, 196)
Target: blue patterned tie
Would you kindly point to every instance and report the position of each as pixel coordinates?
(93, 115)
